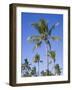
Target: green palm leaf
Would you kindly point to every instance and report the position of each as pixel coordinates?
(55, 38)
(37, 45)
(36, 26)
(41, 26)
(53, 27)
(34, 39)
(44, 25)
(52, 54)
(36, 58)
(58, 69)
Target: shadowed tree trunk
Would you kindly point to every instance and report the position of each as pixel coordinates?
(38, 68)
(54, 67)
(47, 58)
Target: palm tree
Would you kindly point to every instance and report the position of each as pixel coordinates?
(45, 34)
(36, 59)
(57, 69)
(25, 68)
(52, 54)
(33, 71)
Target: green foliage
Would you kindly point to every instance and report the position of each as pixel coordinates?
(57, 69)
(41, 26)
(37, 45)
(25, 68)
(36, 58)
(45, 35)
(34, 38)
(55, 38)
(52, 54)
(46, 73)
(52, 27)
(43, 73)
(33, 71)
(28, 71)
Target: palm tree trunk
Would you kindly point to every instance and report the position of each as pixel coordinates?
(47, 58)
(38, 68)
(54, 67)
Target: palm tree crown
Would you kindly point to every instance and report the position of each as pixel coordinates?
(36, 58)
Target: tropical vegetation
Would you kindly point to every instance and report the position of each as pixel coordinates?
(44, 36)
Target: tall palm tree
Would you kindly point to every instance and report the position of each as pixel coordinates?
(36, 59)
(45, 34)
(52, 54)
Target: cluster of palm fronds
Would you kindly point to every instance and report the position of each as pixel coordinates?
(45, 36)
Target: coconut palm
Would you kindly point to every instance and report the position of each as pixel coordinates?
(57, 69)
(33, 71)
(45, 34)
(25, 68)
(52, 54)
(36, 59)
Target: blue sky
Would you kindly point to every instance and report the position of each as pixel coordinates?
(27, 30)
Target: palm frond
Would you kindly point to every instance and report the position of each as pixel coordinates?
(37, 45)
(37, 27)
(48, 42)
(55, 38)
(36, 58)
(44, 25)
(34, 39)
(41, 26)
(52, 54)
(53, 27)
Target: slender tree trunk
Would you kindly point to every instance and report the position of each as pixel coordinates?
(47, 58)
(54, 67)
(38, 68)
